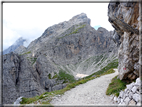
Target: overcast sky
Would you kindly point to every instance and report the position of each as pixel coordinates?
(29, 20)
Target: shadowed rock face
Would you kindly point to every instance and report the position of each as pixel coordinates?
(10, 75)
(18, 78)
(125, 18)
(35, 70)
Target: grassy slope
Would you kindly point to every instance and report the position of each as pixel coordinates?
(113, 64)
(115, 86)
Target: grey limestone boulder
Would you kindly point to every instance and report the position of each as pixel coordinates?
(136, 97)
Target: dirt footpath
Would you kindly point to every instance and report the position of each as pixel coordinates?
(90, 93)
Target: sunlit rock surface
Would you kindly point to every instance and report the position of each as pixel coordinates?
(125, 18)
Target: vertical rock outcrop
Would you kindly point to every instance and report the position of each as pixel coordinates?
(10, 77)
(18, 78)
(125, 18)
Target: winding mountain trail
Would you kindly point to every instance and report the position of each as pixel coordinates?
(90, 93)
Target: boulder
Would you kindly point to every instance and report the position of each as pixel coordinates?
(132, 103)
(136, 97)
(134, 89)
(126, 100)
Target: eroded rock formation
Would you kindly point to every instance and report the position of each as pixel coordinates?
(125, 18)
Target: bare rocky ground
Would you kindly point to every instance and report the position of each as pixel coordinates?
(90, 93)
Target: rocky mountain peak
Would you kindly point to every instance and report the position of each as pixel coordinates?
(19, 41)
(101, 29)
(60, 28)
(13, 47)
(80, 19)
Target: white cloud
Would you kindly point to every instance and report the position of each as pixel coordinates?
(29, 20)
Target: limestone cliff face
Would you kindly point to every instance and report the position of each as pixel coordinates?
(72, 40)
(125, 18)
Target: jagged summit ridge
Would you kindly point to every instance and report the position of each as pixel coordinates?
(57, 29)
(80, 18)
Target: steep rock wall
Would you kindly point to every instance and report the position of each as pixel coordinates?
(18, 79)
(125, 18)
(23, 78)
(73, 41)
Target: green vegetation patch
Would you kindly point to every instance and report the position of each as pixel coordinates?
(113, 64)
(32, 60)
(50, 76)
(115, 86)
(74, 31)
(65, 76)
(26, 53)
(29, 100)
(55, 76)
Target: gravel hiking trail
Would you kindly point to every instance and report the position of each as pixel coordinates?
(89, 93)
